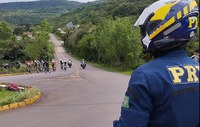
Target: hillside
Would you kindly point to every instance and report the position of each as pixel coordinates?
(100, 32)
(105, 33)
(34, 12)
(93, 13)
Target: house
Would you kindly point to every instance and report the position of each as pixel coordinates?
(19, 38)
(70, 25)
(29, 34)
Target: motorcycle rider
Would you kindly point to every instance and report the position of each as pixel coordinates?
(165, 91)
(83, 64)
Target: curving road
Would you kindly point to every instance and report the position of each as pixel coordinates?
(72, 98)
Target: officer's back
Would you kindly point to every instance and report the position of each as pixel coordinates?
(165, 91)
(175, 79)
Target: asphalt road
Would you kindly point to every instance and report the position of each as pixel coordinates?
(72, 98)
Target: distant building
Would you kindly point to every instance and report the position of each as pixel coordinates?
(19, 38)
(29, 34)
(70, 25)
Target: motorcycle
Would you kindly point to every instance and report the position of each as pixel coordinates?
(83, 65)
(69, 64)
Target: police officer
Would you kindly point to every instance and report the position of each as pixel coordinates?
(83, 64)
(165, 91)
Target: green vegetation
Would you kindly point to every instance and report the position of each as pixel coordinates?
(103, 31)
(9, 97)
(36, 11)
(13, 70)
(95, 13)
(10, 48)
(193, 45)
(40, 47)
(106, 67)
(111, 69)
(106, 34)
(37, 46)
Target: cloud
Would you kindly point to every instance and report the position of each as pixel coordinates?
(7, 1)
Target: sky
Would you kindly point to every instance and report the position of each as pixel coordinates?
(6, 1)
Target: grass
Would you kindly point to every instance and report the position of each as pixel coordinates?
(9, 97)
(112, 69)
(105, 66)
(13, 70)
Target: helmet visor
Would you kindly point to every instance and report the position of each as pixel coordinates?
(151, 25)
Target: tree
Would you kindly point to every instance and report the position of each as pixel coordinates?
(6, 38)
(87, 46)
(118, 43)
(5, 31)
(40, 47)
(44, 27)
(105, 46)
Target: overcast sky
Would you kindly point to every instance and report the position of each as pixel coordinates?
(6, 1)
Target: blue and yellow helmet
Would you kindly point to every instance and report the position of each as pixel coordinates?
(167, 24)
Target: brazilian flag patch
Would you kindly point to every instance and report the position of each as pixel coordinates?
(125, 103)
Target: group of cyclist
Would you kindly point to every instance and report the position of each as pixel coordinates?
(44, 65)
(64, 64)
(40, 66)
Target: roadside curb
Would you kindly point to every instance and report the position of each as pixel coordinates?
(14, 74)
(24, 103)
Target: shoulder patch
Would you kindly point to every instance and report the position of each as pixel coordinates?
(125, 103)
(184, 74)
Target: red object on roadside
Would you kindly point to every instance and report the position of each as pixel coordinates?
(13, 87)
